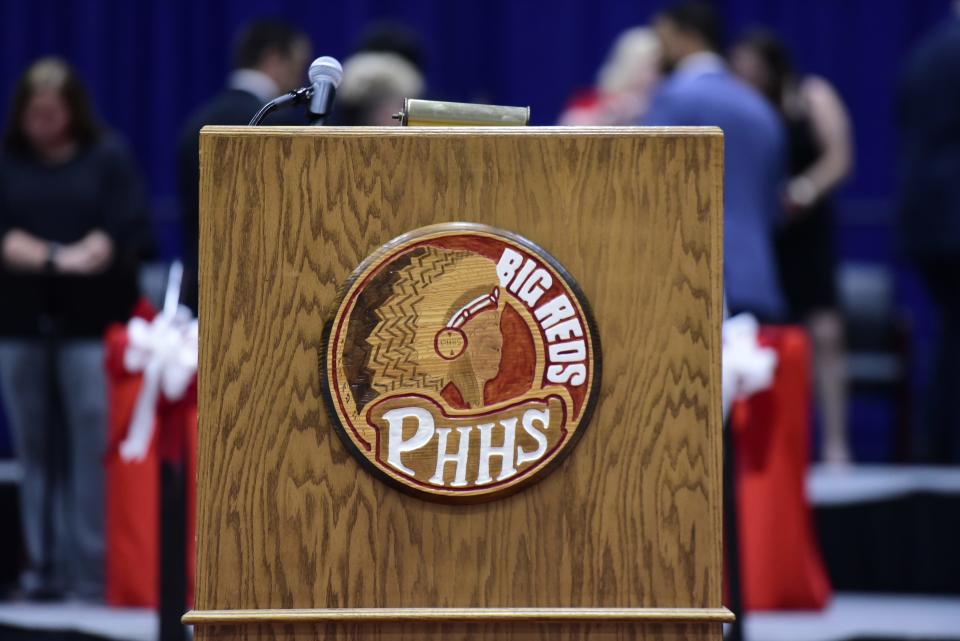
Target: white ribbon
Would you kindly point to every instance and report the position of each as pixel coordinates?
(165, 350)
(747, 368)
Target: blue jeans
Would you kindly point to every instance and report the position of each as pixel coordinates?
(56, 400)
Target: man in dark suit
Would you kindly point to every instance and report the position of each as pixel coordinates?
(701, 91)
(270, 59)
(928, 116)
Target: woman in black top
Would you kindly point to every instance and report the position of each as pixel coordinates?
(820, 156)
(72, 225)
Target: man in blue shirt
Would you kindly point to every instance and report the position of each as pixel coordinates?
(700, 91)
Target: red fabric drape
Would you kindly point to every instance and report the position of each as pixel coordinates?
(781, 565)
(132, 489)
(132, 519)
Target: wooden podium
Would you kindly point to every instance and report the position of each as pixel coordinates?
(297, 539)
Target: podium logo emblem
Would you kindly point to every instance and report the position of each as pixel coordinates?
(462, 363)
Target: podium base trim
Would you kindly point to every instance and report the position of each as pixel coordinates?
(530, 615)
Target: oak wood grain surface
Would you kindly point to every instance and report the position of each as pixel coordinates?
(288, 519)
(591, 631)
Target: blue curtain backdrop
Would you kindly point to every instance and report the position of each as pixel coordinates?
(148, 63)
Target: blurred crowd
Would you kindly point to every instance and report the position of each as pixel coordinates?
(74, 224)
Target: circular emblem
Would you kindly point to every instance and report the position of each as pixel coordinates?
(462, 362)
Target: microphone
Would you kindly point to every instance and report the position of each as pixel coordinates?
(325, 75)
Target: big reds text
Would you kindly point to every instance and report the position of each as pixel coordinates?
(557, 316)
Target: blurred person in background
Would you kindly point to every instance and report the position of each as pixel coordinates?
(928, 117)
(386, 67)
(820, 156)
(270, 59)
(72, 228)
(373, 88)
(625, 83)
(388, 36)
(700, 91)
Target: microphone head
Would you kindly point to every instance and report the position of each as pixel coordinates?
(326, 68)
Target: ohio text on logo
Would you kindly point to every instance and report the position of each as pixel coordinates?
(461, 363)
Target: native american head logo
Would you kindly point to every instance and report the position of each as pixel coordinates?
(462, 362)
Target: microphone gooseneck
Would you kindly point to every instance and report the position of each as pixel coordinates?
(286, 100)
(325, 75)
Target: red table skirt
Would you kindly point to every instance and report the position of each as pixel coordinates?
(781, 565)
(780, 557)
(133, 489)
